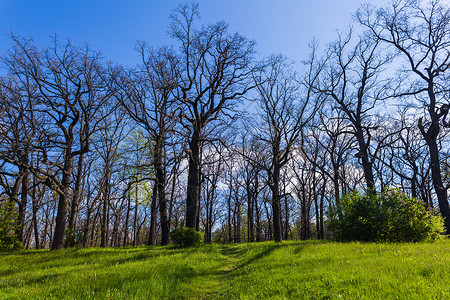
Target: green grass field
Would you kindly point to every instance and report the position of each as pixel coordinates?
(296, 270)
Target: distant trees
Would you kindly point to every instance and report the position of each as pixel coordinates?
(147, 95)
(203, 135)
(352, 80)
(284, 112)
(67, 92)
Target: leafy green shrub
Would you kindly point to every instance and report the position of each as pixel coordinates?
(407, 219)
(359, 218)
(184, 237)
(390, 217)
(8, 240)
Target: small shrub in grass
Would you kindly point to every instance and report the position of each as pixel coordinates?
(358, 217)
(184, 237)
(390, 217)
(8, 240)
(407, 219)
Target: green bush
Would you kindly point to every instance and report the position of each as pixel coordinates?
(389, 217)
(8, 240)
(407, 219)
(184, 237)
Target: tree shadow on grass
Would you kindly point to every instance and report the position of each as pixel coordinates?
(269, 249)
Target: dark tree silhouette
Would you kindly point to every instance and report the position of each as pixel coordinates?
(420, 33)
(215, 69)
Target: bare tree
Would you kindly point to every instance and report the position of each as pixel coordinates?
(147, 96)
(65, 76)
(284, 113)
(353, 81)
(215, 69)
(420, 32)
(17, 131)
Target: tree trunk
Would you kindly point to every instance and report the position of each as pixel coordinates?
(250, 209)
(161, 185)
(276, 205)
(22, 203)
(237, 228)
(76, 196)
(93, 229)
(365, 160)
(229, 215)
(193, 188)
(35, 209)
(258, 221)
(286, 216)
(60, 227)
(269, 237)
(441, 193)
(125, 233)
(322, 196)
(153, 216)
(135, 215)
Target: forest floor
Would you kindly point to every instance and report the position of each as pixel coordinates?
(291, 270)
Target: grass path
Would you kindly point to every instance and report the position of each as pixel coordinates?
(214, 281)
(291, 270)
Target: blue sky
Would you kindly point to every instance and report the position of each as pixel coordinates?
(113, 27)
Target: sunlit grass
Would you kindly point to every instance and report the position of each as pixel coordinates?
(296, 270)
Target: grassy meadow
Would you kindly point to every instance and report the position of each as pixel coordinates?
(291, 270)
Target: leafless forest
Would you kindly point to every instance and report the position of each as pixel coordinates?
(203, 133)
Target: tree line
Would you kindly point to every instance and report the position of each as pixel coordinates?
(204, 135)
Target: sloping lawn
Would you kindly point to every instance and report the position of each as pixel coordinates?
(295, 270)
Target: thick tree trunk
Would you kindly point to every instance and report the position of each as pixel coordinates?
(193, 188)
(431, 136)
(252, 196)
(89, 209)
(276, 211)
(304, 216)
(161, 185)
(441, 192)
(60, 227)
(276, 205)
(105, 208)
(365, 160)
